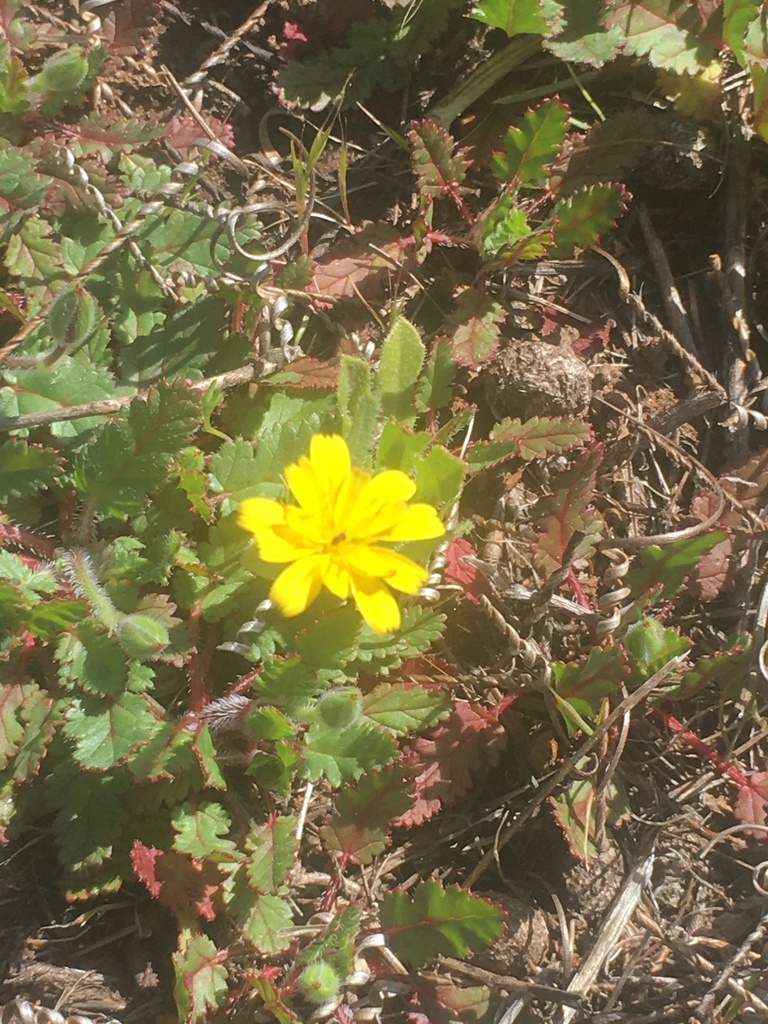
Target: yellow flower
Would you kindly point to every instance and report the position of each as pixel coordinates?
(333, 535)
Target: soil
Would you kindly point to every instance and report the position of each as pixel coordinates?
(696, 929)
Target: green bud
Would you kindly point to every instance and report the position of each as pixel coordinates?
(338, 709)
(141, 636)
(319, 982)
(72, 317)
(64, 72)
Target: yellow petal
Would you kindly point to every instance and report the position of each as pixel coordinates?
(380, 503)
(331, 464)
(257, 514)
(307, 526)
(398, 571)
(377, 605)
(305, 487)
(296, 587)
(417, 522)
(335, 575)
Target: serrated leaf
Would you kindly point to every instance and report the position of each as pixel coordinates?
(105, 731)
(584, 687)
(576, 811)
(201, 830)
(402, 357)
(372, 653)
(439, 169)
(263, 919)
(90, 809)
(669, 34)
(536, 438)
(650, 646)
(12, 696)
(32, 254)
(290, 683)
(93, 661)
(530, 149)
(433, 921)
(39, 716)
(727, 669)
(513, 16)
(365, 812)
(273, 847)
(130, 459)
(580, 219)
(344, 756)
(336, 943)
(405, 707)
(436, 387)
(567, 511)
(582, 36)
(59, 387)
(472, 329)
(201, 977)
(399, 447)
(453, 755)
(610, 149)
(660, 571)
(439, 476)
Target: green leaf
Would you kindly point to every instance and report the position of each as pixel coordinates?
(201, 977)
(105, 731)
(650, 646)
(402, 357)
(12, 697)
(434, 921)
(372, 653)
(405, 707)
(39, 716)
(365, 813)
(439, 169)
(90, 807)
(584, 687)
(290, 683)
(513, 16)
(439, 476)
(399, 447)
(504, 232)
(542, 436)
(581, 35)
(263, 919)
(93, 661)
(201, 830)
(726, 669)
(131, 458)
(661, 571)
(666, 32)
(580, 219)
(273, 849)
(472, 329)
(344, 756)
(59, 387)
(530, 149)
(435, 390)
(336, 944)
(576, 811)
(358, 405)
(32, 255)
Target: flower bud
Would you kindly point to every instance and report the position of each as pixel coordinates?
(72, 317)
(64, 72)
(141, 636)
(338, 709)
(319, 982)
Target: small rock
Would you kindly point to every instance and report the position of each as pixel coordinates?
(534, 378)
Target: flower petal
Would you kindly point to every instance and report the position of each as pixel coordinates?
(379, 504)
(256, 514)
(417, 522)
(335, 574)
(376, 603)
(305, 487)
(296, 587)
(398, 571)
(331, 463)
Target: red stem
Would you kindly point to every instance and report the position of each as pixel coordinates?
(676, 726)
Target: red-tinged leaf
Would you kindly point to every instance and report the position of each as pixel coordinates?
(11, 729)
(532, 246)
(576, 812)
(365, 813)
(609, 150)
(459, 572)
(584, 687)
(182, 130)
(446, 1003)
(726, 670)
(459, 750)
(580, 219)
(101, 133)
(364, 264)
(566, 511)
(542, 436)
(751, 806)
(40, 719)
(201, 977)
(307, 372)
(406, 707)
(473, 328)
(144, 861)
(530, 149)
(432, 921)
(668, 33)
(179, 882)
(438, 167)
(273, 848)
(660, 572)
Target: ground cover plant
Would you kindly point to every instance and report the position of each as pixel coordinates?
(383, 482)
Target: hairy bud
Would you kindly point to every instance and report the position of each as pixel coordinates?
(72, 317)
(141, 636)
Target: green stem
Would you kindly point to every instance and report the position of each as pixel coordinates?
(84, 577)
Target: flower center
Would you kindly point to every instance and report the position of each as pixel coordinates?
(338, 539)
